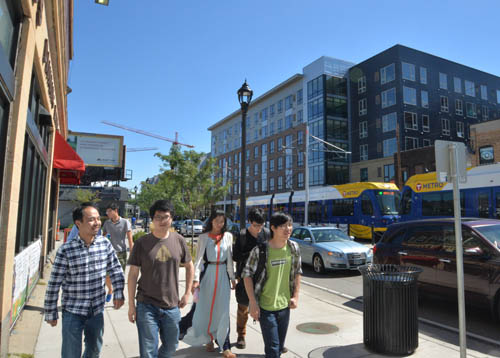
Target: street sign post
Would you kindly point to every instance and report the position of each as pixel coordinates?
(451, 167)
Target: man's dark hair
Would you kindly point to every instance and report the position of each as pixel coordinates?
(161, 205)
(78, 212)
(279, 218)
(112, 206)
(213, 215)
(256, 215)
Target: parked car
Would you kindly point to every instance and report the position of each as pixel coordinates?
(430, 245)
(330, 248)
(189, 226)
(177, 225)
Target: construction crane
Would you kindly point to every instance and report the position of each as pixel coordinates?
(141, 149)
(175, 142)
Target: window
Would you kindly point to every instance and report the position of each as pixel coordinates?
(445, 126)
(457, 85)
(300, 180)
(425, 123)
(300, 160)
(362, 106)
(280, 163)
(288, 162)
(264, 184)
(362, 84)
(471, 110)
(389, 173)
(300, 116)
(387, 74)
(459, 107)
(389, 122)
(411, 143)
(271, 128)
(300, 137)
(315, 87)
(470, 89)
(411, 120)
(343, 207)
(271, 147)
(390, 147)
(498, 96)
(280, 144)
(443, 81)
(256, 169)
(256, 134)
(288, 102)
(484, 92)
(363, 174)
(408, 71)
(444, 104)
(426, 143)
(280, 183)
(280, 106)
(363, 129)
(256, 152)
(485, 113)
(248, 154)
(271, 110)
(315, 108)
(271, 184)
(256, 186)
(288, 121)
(271, 165)
(280, 125)
(247, 172)
(424, 99)
(299, 96)
(264, 149)
(288, 141)
(363, 152)
(389, 98)
(409, 95)
(423, 75)
(460, 129)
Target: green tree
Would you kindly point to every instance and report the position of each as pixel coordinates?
(85, 195)
(188, 181)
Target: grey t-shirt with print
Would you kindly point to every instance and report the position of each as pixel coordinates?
(118, 232)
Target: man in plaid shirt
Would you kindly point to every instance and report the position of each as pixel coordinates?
(80, 268)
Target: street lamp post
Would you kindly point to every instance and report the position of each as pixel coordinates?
(135, 203)
(244, 97)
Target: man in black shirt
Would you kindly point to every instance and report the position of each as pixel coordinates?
(247, 240)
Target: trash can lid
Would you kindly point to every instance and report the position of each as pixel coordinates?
(394, 273)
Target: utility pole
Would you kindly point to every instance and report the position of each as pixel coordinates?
(399, 177)
(306, 177)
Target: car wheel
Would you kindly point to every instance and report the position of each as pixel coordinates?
(318, 265)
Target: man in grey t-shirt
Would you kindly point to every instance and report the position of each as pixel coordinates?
(118, 229)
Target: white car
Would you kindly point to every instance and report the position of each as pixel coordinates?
(190, 226)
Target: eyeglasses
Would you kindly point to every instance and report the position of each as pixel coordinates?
(162, 217)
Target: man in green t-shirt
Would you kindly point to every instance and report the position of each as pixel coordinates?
(272, 281)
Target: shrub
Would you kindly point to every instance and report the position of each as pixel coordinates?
(138, 234)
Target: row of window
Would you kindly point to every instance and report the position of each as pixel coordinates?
(388, 173)
(262, 185)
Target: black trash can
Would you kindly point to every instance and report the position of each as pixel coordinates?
(390, 308)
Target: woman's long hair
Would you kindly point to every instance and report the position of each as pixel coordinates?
(213, 215)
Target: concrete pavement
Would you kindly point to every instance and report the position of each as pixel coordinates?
(315, 306)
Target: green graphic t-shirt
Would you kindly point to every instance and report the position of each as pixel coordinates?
(275, 294)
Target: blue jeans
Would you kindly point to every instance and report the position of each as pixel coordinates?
(274, 325)
(151, 320)
(73, 325)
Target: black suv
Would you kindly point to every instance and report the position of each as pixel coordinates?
(430, 245)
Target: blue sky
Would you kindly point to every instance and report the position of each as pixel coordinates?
(167, 66)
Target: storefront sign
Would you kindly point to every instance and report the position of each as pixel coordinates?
(48, 72)
(97, 150)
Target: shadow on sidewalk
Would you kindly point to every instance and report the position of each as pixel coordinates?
(353, 350)
(196, 352)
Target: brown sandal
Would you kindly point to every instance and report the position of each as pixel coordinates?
(228, 354)
(210, 347)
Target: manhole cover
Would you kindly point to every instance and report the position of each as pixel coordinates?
(317, 328)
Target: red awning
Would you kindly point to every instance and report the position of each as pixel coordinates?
(71, 166)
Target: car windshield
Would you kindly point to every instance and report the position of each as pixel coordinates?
(388, 201)
(327, 235)
(491, 232)
(195, 222)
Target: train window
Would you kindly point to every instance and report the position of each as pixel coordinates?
(406, 203)
(343, 207)
(483, 205)
(497, 206)
(366, 205)
(440, 204)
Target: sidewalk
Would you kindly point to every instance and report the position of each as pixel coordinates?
(315, 306)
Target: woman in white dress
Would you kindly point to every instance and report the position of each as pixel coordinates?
(211, 317)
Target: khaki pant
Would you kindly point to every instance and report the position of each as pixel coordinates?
(241, 320)
(122, 257)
